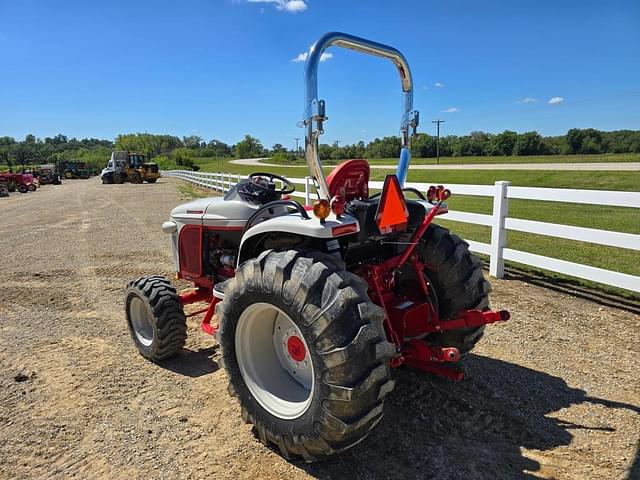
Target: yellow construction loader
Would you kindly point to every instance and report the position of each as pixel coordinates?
(129, 167)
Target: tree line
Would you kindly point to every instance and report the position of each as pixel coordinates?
(507, 143)
(170, 150)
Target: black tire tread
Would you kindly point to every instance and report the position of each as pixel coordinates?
(168, 313)
(348, 337)
(459, 282)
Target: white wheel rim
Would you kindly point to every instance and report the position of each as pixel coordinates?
(141, 321)
(274, 361)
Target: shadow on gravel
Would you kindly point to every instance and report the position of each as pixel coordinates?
(568, 286)
(475, 429)
(192, 363)
(634, 471)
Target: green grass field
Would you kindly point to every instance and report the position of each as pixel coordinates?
(605, 217)
(601, 158)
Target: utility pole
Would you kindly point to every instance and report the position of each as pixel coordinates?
(438, 122)
(297, 149)
(215, 154)
(337, 144)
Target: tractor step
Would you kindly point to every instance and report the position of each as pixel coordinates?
(218, 296)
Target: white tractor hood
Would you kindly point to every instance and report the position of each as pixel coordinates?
(214, 211)
(191, 212)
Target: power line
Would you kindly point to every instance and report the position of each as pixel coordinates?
(438, 122)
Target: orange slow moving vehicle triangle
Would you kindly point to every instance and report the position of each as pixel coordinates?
(392, 214)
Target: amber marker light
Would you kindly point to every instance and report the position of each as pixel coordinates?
(321, 209)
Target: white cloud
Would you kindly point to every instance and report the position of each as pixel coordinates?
(303, 56)
(527, 100)
(293, 6)
(555, 100)
(451, 110)
(438, 84)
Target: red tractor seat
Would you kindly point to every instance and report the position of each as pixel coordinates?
(350, 180)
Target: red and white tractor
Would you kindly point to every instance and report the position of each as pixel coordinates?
(312, 308)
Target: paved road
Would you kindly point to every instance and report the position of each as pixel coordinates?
(621, 166)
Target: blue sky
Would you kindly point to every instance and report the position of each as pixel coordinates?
(223, 68)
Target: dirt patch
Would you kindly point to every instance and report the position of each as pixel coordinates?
(553, 393)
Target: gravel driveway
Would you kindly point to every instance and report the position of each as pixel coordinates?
(553, 393)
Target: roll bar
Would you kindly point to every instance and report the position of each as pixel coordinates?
(314, 112)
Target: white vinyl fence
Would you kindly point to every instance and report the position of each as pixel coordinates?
(500, 222)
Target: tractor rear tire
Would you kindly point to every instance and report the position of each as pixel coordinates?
(342, 342)
(155, 317)
(458, 280)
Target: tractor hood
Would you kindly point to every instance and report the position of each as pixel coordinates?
(191, 212)
(214, 211)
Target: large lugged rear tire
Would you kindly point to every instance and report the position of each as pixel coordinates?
(458, 280)
(155, 317)
(343, 339)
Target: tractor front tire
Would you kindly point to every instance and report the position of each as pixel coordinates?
(151, 180)
(155, 317)
(305, 352)
(23, 188)
(135, 177)
(458, 280)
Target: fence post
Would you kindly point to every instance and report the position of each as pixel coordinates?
(498, 232)
(307, 191)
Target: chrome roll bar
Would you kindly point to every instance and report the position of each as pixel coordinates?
(314, 112)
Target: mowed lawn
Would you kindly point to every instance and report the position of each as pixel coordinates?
(605, 216)
(604, 158)
(595, 158)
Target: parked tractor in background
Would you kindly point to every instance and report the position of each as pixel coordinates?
(22, 182)
(313, 307)
(129, 167)
(73, 170)
(47, 175)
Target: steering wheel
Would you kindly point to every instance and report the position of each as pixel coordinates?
(257, 180)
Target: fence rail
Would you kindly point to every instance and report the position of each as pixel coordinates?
(500, 222)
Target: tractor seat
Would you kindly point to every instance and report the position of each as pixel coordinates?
(350, 180)
(365, 212)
